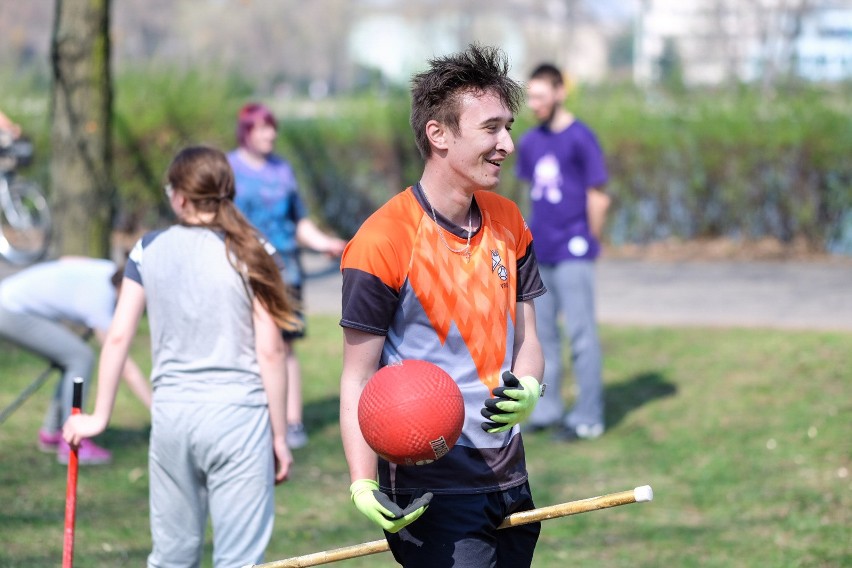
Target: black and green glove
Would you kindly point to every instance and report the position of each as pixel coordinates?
(512, 403)
(379, 508)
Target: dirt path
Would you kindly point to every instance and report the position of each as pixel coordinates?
(794, 294)
(810, 292)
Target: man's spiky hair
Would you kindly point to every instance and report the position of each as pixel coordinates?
(436, 92)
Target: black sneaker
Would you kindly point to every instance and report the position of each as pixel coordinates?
(532, 428)
(580, 432)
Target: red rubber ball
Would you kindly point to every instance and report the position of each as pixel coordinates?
(411, 413)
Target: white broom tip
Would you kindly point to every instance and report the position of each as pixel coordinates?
(644, 493)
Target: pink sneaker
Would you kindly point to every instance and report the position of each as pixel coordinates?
(88, 453)
(48, 442)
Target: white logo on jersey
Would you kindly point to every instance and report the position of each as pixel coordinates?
(547, 180)
(502, 271)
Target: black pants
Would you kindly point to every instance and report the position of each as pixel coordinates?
(461, 531)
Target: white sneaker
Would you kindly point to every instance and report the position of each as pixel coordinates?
(589, 431)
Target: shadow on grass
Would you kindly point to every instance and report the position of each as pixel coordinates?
(115, 438)
(625, 397)
(621, 399)
(321, 413)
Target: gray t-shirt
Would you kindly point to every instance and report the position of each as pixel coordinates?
(200, 315)
(73, 289)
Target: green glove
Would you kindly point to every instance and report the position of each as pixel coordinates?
(513, 403)
(379, 508)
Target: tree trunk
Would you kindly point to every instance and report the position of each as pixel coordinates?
(81, 163)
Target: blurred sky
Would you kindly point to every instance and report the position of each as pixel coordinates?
(613, 9)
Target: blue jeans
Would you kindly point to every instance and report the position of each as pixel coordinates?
(571, 295)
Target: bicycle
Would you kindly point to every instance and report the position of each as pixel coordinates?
(25, 225)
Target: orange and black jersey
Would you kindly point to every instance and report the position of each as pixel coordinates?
(401, 280)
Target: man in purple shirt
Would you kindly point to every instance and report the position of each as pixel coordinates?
(563, 163)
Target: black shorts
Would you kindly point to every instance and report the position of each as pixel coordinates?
(461, 530)
(296, 294)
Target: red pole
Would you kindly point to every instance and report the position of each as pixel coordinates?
(71, 486)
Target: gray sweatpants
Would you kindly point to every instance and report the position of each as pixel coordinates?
(571, 294)
(210, 457)
(61, 346)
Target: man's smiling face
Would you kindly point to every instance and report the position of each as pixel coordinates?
(483, 142)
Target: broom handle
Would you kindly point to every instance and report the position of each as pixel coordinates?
(71, 485)
(637, 495)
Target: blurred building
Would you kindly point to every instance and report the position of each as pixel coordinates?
(714, 41)
(331, 46)
(397, 37)
(824, 48)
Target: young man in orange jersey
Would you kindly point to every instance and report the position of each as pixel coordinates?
(445, 272)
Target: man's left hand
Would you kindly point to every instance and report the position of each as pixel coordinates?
(512, 403)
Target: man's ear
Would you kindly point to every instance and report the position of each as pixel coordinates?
(437, 134)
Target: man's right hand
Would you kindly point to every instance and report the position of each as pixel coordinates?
(379, 508)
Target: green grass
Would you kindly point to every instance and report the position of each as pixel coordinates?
(743, 434)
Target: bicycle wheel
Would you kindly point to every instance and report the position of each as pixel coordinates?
(25, 225)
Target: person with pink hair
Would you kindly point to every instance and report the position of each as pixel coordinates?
(268, 195)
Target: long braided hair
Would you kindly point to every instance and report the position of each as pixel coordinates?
(206, 179)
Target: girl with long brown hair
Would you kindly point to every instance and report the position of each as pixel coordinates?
(216, 304)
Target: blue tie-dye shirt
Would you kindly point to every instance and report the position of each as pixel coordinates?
(269, 198)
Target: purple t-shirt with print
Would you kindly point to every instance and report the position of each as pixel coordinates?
(560, 167)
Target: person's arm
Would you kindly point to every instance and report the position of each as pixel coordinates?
(361, 353)
(128, 311)
(528, 357)
(271, 351)
(597, 204)
(517, 397)
(132, 375)
(309, 235)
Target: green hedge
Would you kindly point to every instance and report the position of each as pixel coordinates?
(731, 163)
(701, 164)
(156, 114)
